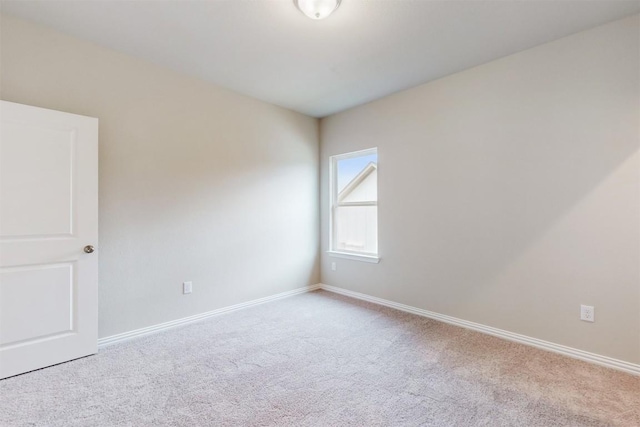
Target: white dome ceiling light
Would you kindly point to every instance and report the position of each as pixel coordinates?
(317, 9)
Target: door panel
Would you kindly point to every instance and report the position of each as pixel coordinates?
(37, 302)
(36, 160)
(48, 213)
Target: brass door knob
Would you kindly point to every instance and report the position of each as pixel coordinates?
(88, 249)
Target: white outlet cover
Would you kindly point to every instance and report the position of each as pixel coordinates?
(187, 287)
(587, 313)
(333, 266)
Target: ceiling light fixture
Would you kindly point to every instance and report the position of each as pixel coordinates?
(317, 9)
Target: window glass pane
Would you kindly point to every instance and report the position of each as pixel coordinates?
(356, 228)
(350, 168)
(363, 189)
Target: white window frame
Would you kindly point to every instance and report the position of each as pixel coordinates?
(333, 204)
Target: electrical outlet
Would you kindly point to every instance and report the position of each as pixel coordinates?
(587, 313)
(187, 287)
(334, 266)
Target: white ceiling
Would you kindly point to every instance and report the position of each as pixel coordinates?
(367, 49)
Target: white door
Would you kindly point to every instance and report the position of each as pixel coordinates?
(48, 215)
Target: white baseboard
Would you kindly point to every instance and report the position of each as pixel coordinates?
(185, 320)
(597, 359)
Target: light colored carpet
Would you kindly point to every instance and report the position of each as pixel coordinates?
(321, 359)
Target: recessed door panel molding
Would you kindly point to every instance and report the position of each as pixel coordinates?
(37, 303)
(48, 214)
(36, 160)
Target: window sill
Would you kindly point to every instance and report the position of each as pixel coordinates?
(356, 257)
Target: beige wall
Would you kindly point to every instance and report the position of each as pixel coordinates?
(196, 182)
(509, 193)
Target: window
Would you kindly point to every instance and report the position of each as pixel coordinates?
(354, 205)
